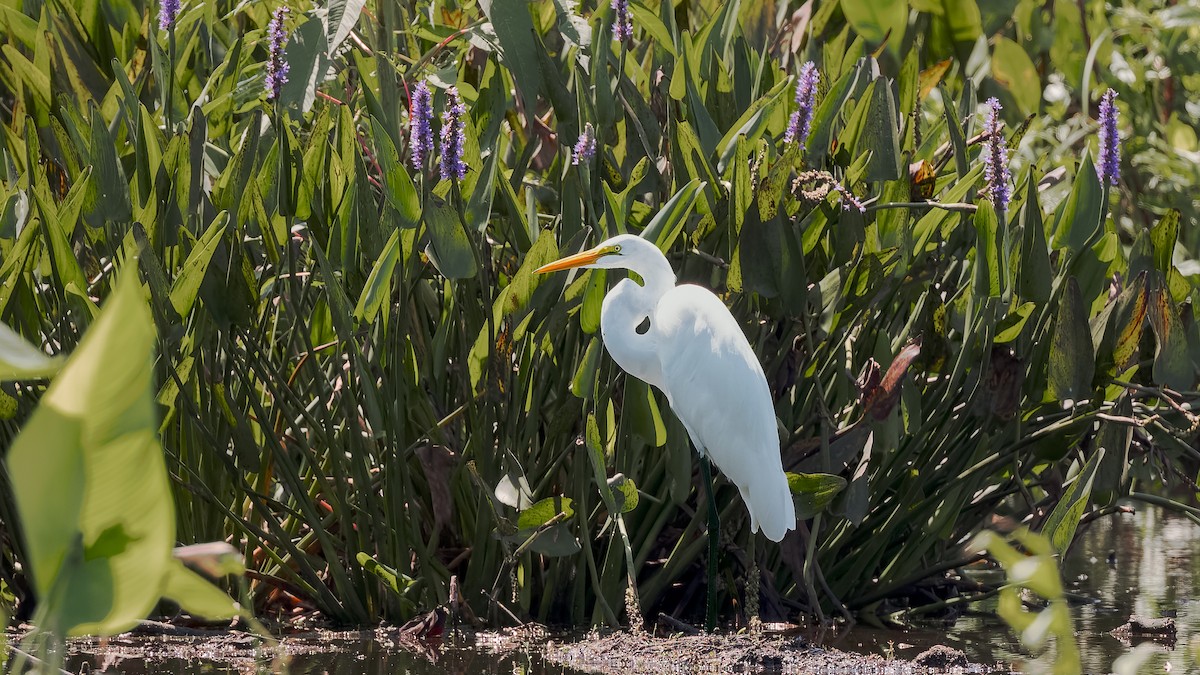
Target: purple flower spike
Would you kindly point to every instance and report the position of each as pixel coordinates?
(623, 23)
(995, 168)
(277, 67)
(849, 201)
(585, 147)
(420, 126)
(1110, 142)
(806, 93)
(453, 136)
(168, 11)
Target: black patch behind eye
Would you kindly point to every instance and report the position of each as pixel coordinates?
(643, 327)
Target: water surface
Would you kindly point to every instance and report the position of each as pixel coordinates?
(1140, 563)
(1154, 573)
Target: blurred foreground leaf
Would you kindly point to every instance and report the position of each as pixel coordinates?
(91, 485)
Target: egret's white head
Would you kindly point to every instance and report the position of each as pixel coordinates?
(624, 251)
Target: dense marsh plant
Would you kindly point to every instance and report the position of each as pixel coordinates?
(806, 92)
(623, 22)
(585, 147)
(420, 125)
(1110, 142)
(453, 136)
(995, 169)
(277, 67)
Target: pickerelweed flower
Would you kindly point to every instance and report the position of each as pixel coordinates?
(995, 168)
(1110, 142)
(623, 23)
(585, 147)
(168, 11)
(277, 67)
(806, 93)
(849, 201)
(420, 125)
(453, 136)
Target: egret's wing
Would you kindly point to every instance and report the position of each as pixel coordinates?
(716, 386)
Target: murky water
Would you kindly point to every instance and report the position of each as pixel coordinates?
(1154, 573)
(1145, 563)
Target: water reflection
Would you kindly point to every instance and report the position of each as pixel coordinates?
(1141, 563)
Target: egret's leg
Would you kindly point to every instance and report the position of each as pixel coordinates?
(753, 611)
(714, 534)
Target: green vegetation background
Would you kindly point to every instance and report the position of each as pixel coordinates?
(363, 387)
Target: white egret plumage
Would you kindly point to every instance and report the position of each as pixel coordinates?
(696, 354)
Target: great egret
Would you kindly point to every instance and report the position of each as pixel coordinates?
(695, 353)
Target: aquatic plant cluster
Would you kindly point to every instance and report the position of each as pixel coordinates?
(969, 290)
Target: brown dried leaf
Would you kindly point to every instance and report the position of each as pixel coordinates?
(880, 404)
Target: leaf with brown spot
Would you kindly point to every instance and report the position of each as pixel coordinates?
(922, 180)
(1172, 367)
(931, 76)
(1131, 321)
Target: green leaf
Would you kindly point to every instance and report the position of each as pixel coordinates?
(340, 17)
(1115, 438)
(186, 286)
(20, 360)
(450, 249)
(107, 197)
(624, 491)
(583, 384)
(875, 20)
(1080, 218)
(555, 541)
(518, 46)
(1072, 356)
(542, 511)
(88, 463)
(1163, 237)
(1060, 526)
(1010, 327)
(664, 228)
(830, 109)
(814, 491)
(751, 125)
(397, 582)
(646, 19)
(379, 284)
(196, 596)
(962, 18)
(1033, 272)
(989, 261)
(308, 62)
(399, 190)
(1013, 70)
(574, 28)
(881, 137)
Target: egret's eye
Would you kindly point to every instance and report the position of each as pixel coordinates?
(617, 248)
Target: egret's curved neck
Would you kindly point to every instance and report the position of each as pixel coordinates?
(625, 308)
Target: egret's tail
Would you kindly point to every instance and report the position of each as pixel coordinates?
(771, 507)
